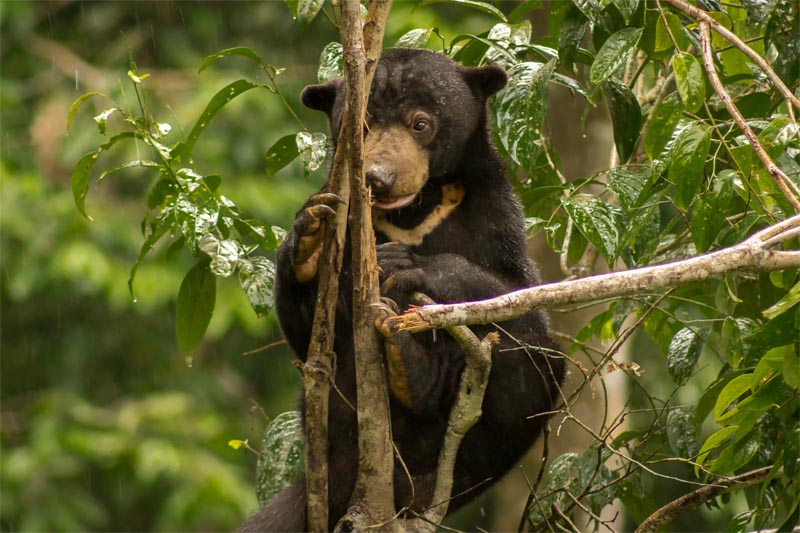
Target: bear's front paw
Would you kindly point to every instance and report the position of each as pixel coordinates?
(309, 227)
(392, 342)
(400, 269)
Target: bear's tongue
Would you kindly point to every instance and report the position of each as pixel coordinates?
(393, 203)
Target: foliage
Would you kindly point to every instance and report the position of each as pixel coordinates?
(719, 395)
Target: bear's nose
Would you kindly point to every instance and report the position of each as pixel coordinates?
(380, 178)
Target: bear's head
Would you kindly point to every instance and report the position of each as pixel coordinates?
(423, 111)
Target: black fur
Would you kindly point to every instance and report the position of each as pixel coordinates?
(478, 252)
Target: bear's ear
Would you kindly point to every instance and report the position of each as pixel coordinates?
(320, 97)
(485, 81)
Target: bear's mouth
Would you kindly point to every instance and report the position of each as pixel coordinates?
(387, 204)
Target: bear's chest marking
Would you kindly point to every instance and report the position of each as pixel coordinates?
(452, 196)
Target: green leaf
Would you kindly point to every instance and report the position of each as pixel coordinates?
(705, 223)
(195, 305)
(130, 164)
(690, 80)
(713, 444)
(625, 115)
(280, 154)
(626, 7)
(80, 180)
(789, 300)
(218, 101)
(732, 391)
(523, 8)
(684, 351)
(282, 457)
(598, 221)
(688, 161)
(521, 109)
(570, 36)
(307, 10)
(242, 51)
(737, 454)
(681, 434)
(791, 368)
(629, 186)
(663, 120)
(416, 38)
(709, 398)
(157, 230)
(77, 103)
(480, 6)
(613, 54)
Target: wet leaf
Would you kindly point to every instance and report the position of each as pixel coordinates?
(224, 258)
(331, 64)
(307, 10)
(570, 36)
(663, 120)
(681, 433)
(684, 351)
(218, 101)
(80, 181)
(280, 154)
(789, 300)
(690, 80)
(508, 36)
(195, 305)
(312, 150)
(102, 118)
(416, 38)
(521, 109)
(598, 221)
(130, 164)
(625, 115)
(626, 7)
(257, 278)
(282, 456)
(242, 51)
(614, 53)
(688, 161)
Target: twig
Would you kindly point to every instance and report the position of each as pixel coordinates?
(703, 494)
(790, 190)
(702, 16)
(754, 253)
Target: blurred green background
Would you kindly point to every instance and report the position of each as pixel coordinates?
(104, 425)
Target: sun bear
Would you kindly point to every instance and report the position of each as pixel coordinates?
(447, 224)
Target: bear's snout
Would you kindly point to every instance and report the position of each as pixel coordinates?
(381, 177)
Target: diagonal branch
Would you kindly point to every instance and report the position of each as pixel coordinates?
(702, 16)
(755, 253)
(790, 190)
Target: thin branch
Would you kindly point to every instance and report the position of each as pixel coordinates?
(702, 16)
(790, 190)
(373, 498)
(695, 498)
(754, 253)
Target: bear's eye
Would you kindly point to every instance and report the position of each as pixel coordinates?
(420, 124)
